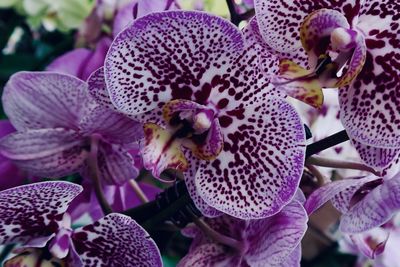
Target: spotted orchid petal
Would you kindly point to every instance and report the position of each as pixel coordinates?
(153, 72)
(245, 180)
(374, 209)
(330, 190)
(307, 90)
(190, 176)
(161, 151)
(274, 239)
(111, 125)
(344, 200)
(34, 100)
(369, 107)
(115, 240)
(45, 152)
(97, 89)
(316, 29)
(210, 255)
(115, 165)
(280, 20)
(376, 157)
(269, 56)
(34, 210)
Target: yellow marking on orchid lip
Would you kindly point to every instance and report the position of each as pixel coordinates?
(305, 27)
(351, 74)
(162, 150)
(302, 85)
(170, 107)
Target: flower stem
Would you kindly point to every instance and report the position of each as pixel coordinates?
(332, 163)
(138, 191)
(217, 237)
(326, 143)
(94, 172)
(320, 177)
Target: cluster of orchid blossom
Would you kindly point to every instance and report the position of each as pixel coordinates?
(189, 93)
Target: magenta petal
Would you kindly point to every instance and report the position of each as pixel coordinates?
(376, 157)
(98, 90)
(190, 174)
(294, 258)
(210, 255)
(39, 143)
(34, 210)
(115, 165)
(259, 169)
(45, 152)
(144, 69)
(116, 240)
(73, 62)
(114, 127)
(272, 240)
(374, 209)
(35, 100)
(325, 193)
(96, 60)
(6, 128)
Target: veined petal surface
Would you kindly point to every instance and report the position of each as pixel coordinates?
(115, 240)
(34, 100)
(272, 240)
(261, 163)
(374, 209)
(45, 152)
(34, 210)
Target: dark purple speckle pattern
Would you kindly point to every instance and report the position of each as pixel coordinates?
(116, 240)
(34, 210)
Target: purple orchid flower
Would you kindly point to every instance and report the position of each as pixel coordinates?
(365, 202)
(378, 247)
(34, 215)
(61, 130)
(364, 37)
(10, 174)
(273, 241)
(194, 82)
(81, 62)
